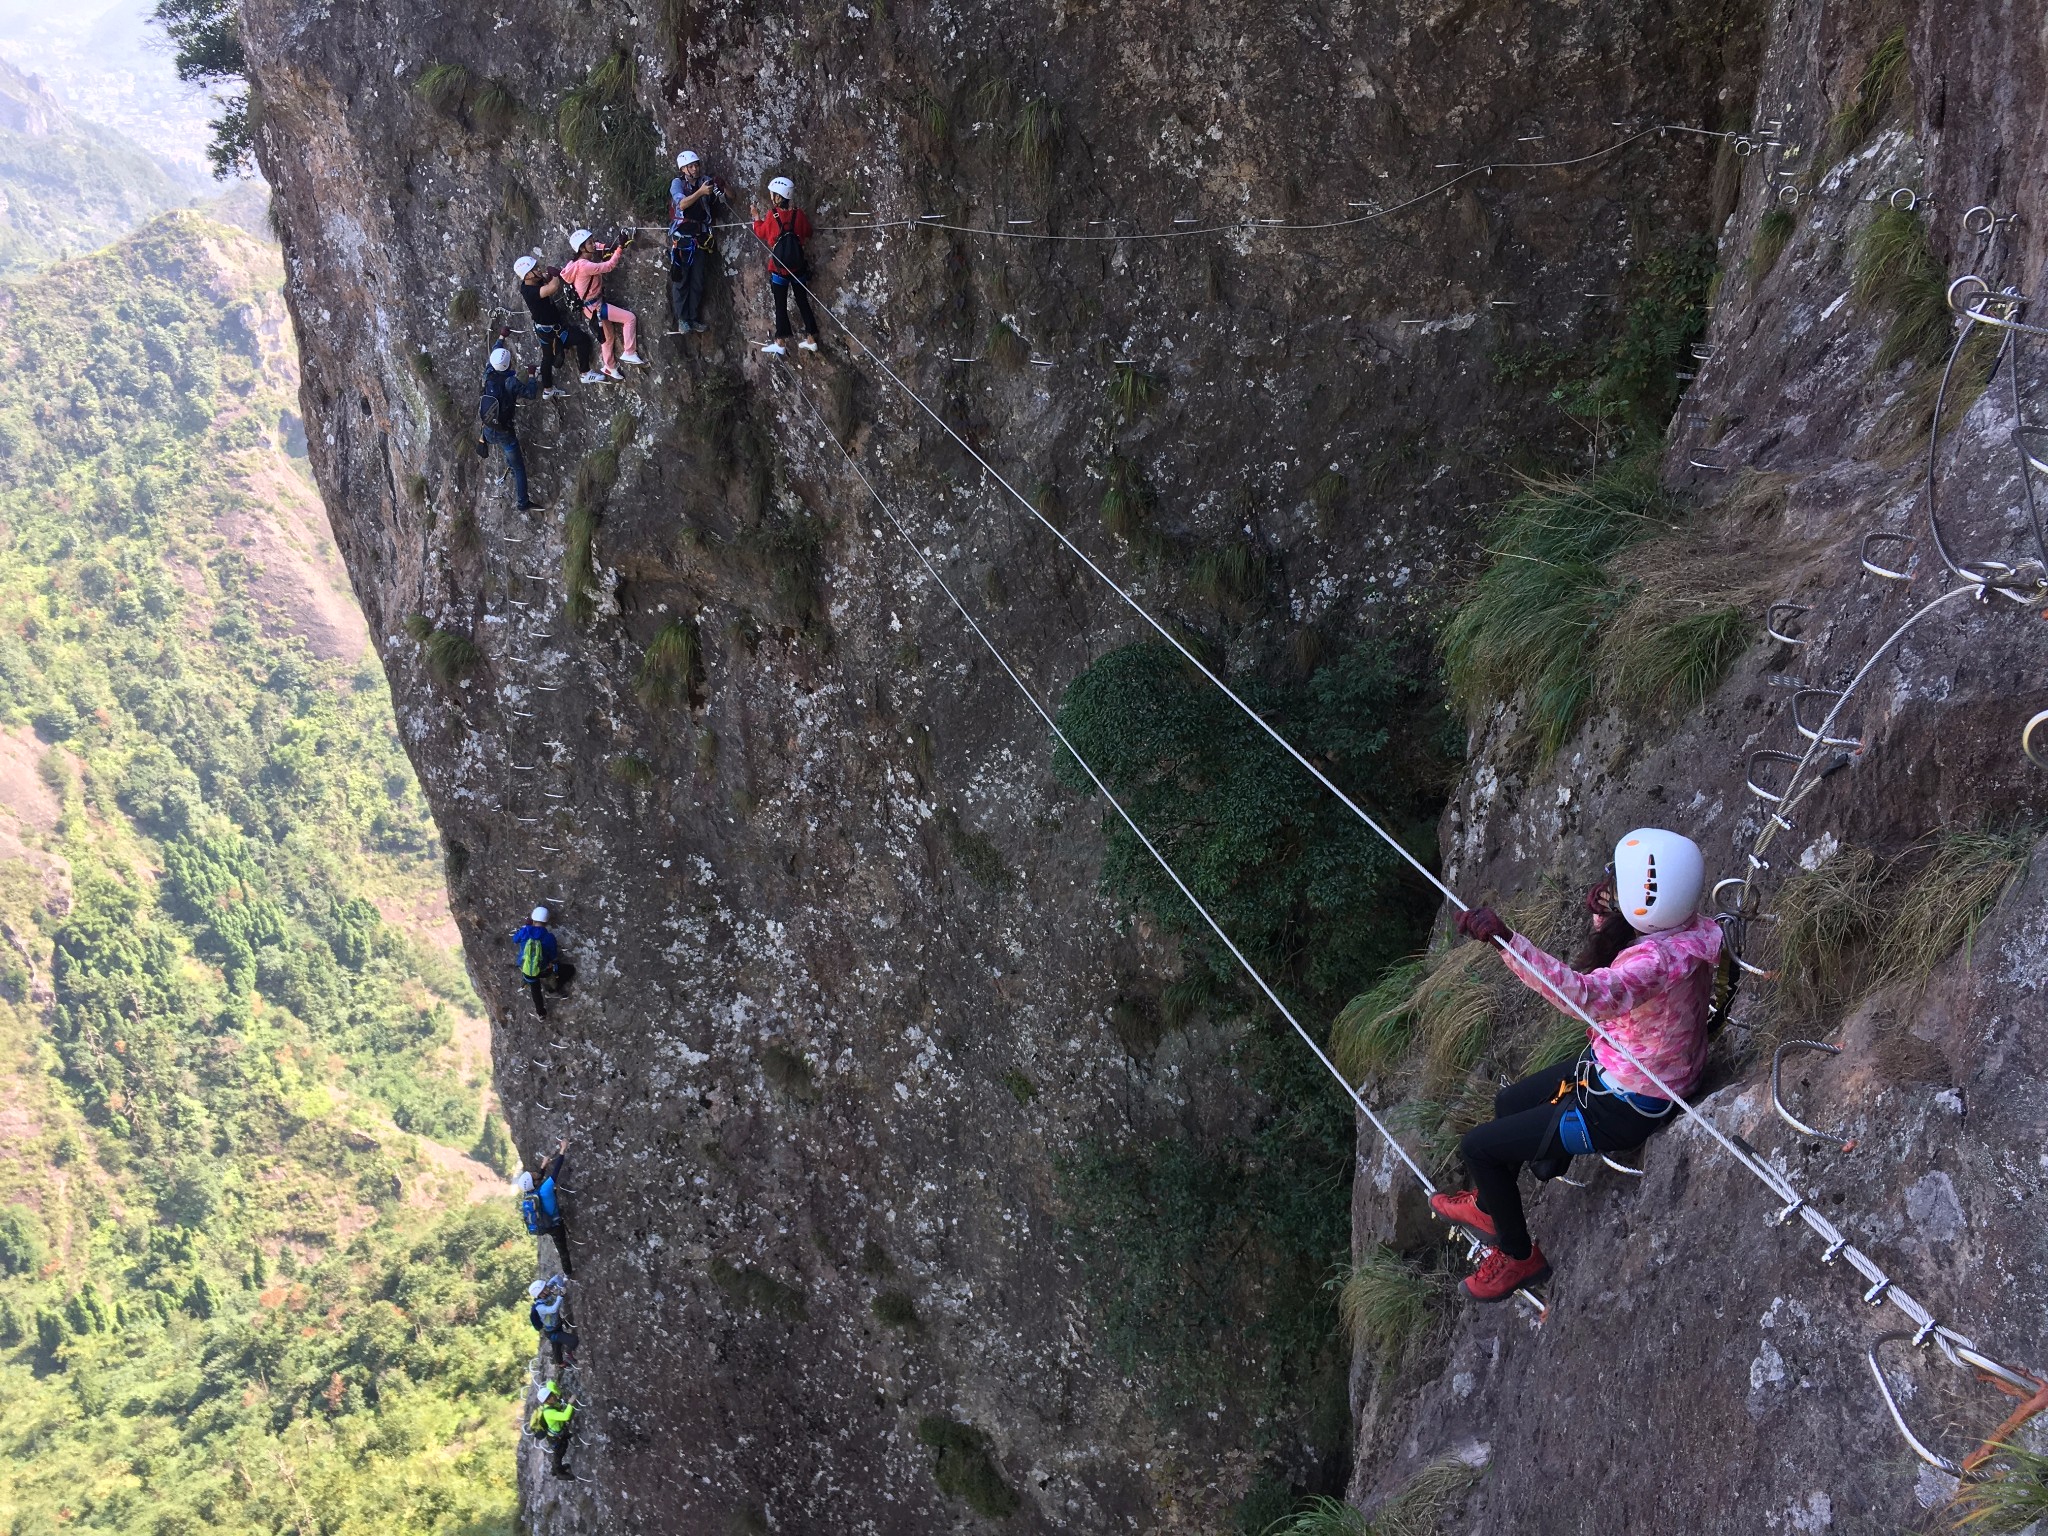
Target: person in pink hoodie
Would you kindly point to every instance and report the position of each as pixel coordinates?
(617, 329)
(1648, 978)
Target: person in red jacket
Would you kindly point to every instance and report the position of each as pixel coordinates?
(783, 229)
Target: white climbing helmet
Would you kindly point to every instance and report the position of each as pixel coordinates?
(782, 186)
(686, 159)
(1657, 879)
(540, 914)
(524, 1183)
(501, 360)
(577, 240)
(524, 265)
(535, 1291)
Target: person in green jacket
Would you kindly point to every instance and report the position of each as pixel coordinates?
(554, 1420)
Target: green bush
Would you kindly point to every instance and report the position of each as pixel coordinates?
(602, 124)
(965, 1467)
(22, 1249)
(667, 666)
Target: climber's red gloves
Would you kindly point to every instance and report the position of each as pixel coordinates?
(1484, 924)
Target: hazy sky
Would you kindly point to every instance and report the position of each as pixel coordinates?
(102, 58)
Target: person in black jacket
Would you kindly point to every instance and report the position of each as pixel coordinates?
(502, 392)
(540, 289)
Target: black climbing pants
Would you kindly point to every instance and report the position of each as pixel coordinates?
(686, 293)
(552, 975)
(557, 344)
(558, 1452)
(563, 1340)
(783, 290)
(560, 1233)
(1525, 1129)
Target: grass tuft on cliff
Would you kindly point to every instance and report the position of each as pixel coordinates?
(1599, 593)
(2011, 1502)
(1878, 86)
(667, 666)
(1897, 272)
(1392, 1308)
(449, 656)
(1857, 921)
(444, 87)
(1774, 231)
(601, 124)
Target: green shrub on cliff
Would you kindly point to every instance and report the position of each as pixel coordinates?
(1185, 1238)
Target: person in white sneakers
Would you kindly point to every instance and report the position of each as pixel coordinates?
(541, 289)
(783, 229)
(617, 328)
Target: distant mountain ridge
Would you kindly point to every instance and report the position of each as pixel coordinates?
(68, 185)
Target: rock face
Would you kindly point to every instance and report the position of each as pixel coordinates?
(828, 906)
(1699, 1364)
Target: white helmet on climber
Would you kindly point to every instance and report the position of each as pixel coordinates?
(524, 1183)
(578, 239)
(540, 914)
(524, 265)
(782, 187)
(1658, 877)
(538, 1289)
(686, 159)
(501, 360)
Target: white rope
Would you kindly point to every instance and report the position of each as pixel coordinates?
(1139, 832)
(1257, 225)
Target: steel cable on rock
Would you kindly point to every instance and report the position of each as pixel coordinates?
(1258, 225)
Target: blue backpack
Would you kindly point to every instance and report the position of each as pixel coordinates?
(529, 1207)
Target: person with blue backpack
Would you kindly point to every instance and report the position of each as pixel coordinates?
(502, 392)
(538, 957)
(548, 1311)
(540, 1204)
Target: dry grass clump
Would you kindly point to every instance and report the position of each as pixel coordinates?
(1877, 91)
(2011, 1502)
(666, 666)
(1393, 1308)
(1774, 232)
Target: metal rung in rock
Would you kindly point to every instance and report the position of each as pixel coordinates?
(1886, 572)
(2027, 739)
(1845, 1143)
(1813, 732)
(2032, 443)
(1767, 755)
(1774, 624)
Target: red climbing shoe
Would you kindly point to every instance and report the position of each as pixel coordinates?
(1462, 1210)
(1499, 1277)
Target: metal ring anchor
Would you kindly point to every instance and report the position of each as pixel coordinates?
(1790, 611)
(1844, 1143)
(1982, 220)
(1813, 732)
(1788, 193)
(2027, 739)
(1735, 909)
(1886, 572)
(1913, 203)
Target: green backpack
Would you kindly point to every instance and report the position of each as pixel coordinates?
(532, 959)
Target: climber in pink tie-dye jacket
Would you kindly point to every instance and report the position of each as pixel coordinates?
(1647, 978)
(1653, 998)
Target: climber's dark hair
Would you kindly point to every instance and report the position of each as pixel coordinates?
(1605, 940)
